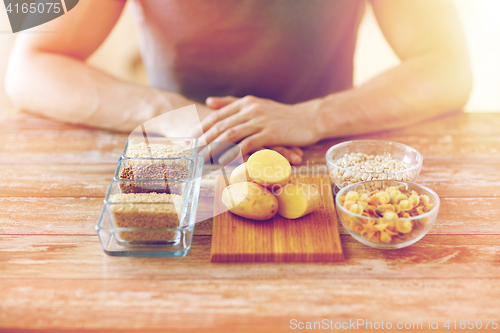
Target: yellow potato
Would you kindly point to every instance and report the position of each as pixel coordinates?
(297, 200)
(240, 174)
(250, 200)
(268, 167)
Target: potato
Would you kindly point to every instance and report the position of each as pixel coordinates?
(240, 174)
(250, 200)
(297, 200)
(268, 167)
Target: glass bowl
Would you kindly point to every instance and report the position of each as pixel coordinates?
(343, 176)
(150, 228)
(367, 230)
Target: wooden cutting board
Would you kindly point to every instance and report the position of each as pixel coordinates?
(312, 238)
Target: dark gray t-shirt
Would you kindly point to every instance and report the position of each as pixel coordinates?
(286, 50)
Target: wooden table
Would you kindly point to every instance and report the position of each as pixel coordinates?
(55, 277)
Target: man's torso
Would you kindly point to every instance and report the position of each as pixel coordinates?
(286, 50)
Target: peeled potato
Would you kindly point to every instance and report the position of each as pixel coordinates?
(240, 174)
(250, 200)
(297, 200)
(268, 167)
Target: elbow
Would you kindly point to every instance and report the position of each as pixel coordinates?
(464, 84)
(14, 86)
(459, 78)
(20, 77)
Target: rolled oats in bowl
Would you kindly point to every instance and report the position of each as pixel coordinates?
(364, 160)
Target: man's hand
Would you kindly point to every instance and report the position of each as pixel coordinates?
(256, 123)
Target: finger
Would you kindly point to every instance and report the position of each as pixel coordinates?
(219, 102)
(233, 135)
(289, 154)
(196, 133)
(228, 127)
(219, 115)
(297, 151)
(231, 156)
(211, 151)
(205, 153)
(252, 143)
(237, 133)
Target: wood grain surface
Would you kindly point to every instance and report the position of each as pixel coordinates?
(311, 238)
(54, 276)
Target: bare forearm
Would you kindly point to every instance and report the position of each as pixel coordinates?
(417, 89)
(66, 89)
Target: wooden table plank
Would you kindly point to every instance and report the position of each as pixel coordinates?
(226, 305)
(448, 176)
(69, 216)
(71, 257)
(78, 148)
(460, 177)
(27, 139)
(463, 177)
(66, 180)
(56, 180)
(59, 148)
(66, 216)
(78, 216)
